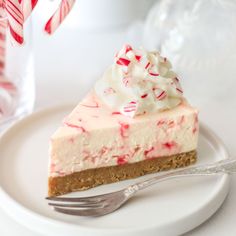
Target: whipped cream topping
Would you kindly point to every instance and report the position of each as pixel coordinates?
(139, 82)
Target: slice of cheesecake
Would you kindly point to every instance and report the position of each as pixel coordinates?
(97, 145)
(135, 121)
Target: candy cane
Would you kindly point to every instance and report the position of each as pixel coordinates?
(59, 16)
(27, 7)
(5, 84)
(15, 18)
(17, 11)
(3, 27)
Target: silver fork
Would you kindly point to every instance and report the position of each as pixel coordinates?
(106, 203)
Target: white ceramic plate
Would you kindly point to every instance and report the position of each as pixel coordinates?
(168, 208)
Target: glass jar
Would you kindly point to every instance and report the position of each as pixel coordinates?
(199, 38)
(17, 91)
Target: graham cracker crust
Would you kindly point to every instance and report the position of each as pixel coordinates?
(93, 177)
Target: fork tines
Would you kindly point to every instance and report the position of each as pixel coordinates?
(97, 205)
(84, 206)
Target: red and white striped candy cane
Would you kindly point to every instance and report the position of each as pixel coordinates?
(59, 16)
(15, 18)
(27, 7)
(3, 28)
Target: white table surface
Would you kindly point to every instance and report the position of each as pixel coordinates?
(219, 114)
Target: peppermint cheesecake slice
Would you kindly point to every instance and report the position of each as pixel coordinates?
(135, 121)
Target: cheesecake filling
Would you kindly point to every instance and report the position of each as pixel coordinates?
(78, 145)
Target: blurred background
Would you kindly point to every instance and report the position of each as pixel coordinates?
(84, 45)
(197, 36)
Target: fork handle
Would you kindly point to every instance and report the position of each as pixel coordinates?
(224, 166)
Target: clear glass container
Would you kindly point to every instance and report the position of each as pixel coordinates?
(199, 38)
(17, 90)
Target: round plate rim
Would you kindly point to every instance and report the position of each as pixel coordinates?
(223, 186)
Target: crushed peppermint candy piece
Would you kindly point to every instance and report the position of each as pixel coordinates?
(128, 48)
(159, 93)
(123, 62)
(109, 90)
(127, 81)
(144, 95)
(138, 57)
(129, 109)
(147, 65)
